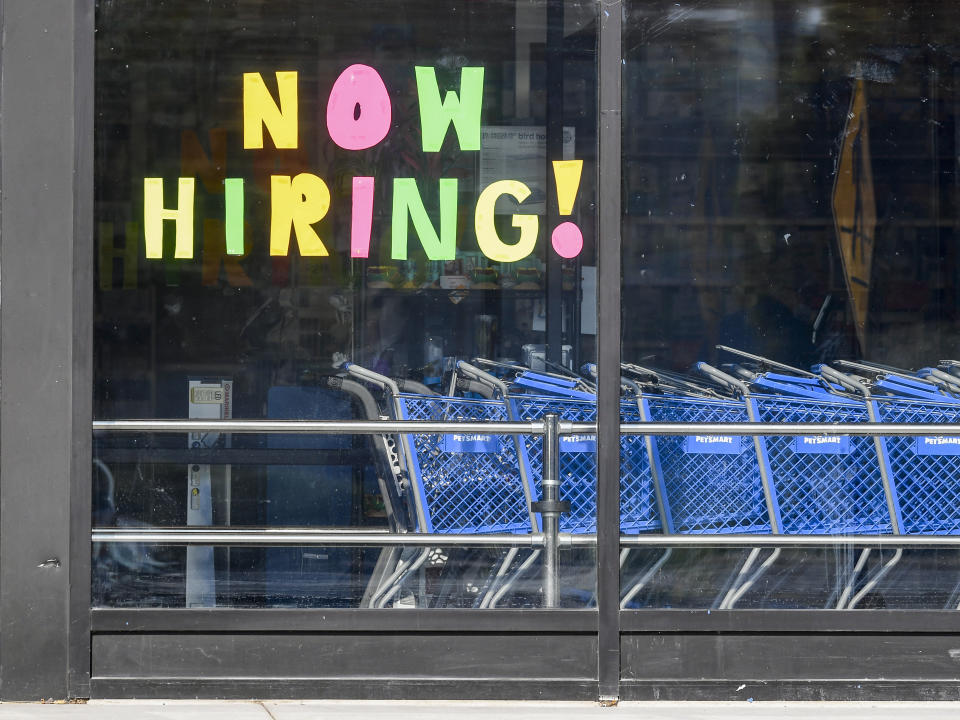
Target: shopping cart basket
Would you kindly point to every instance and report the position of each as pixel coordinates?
(714, 484)
(459, 483)
(825, 484)
(534, 395)
(925, 469)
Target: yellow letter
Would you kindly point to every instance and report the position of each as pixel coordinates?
(301, 203)
(259, 109)
(488, 240)
(154, 214)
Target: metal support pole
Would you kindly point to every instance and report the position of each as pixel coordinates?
(550, 508)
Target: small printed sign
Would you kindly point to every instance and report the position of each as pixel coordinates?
(713, 444)
(207, 395)
(470, 443)
(822, 445)
(578, 443)
(938, 445)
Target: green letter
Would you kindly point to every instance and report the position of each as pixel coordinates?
(408, 203)
(233, 208)
(464, 112)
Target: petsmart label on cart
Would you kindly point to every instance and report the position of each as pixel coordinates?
(713, 444)
(578, 443)
(822, 445)
(470, 443)
(937, 446)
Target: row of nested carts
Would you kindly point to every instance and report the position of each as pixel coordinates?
(826, 484)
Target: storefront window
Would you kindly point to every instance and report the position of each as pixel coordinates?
(790, 191)
(298, 205)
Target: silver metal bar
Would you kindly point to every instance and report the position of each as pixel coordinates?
(305, 536)
(767, 361)
(352, 538)
(533, 427)
(790, 541)
(750, 429)
(318, 427)
(550, 512)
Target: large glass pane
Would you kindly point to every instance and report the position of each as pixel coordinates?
(299, 204)
(790, 193)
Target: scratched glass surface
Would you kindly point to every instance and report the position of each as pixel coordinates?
(270, 204)
(790, 190)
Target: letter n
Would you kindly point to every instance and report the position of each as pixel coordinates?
(407, 203)
(259, 110)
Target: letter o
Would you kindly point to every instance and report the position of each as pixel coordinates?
(358, 85)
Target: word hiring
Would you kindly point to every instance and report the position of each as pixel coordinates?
(359, 117)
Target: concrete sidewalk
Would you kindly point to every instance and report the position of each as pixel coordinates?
(420, 710)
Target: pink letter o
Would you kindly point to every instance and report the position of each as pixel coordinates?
(358, 85)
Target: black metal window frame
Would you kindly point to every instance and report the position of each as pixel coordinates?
(49, 635)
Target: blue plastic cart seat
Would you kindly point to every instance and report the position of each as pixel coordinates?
(468, 483)
(712, 484)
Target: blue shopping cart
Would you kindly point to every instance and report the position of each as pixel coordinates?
(713, 484)
(926, 469)
(824, 485)
(532, 395)
(458, 483)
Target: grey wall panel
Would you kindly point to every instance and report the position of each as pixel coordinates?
(345, 655)
(365, 688)
(37, 145)
(795, 690)
(739, 658)
(148, 621)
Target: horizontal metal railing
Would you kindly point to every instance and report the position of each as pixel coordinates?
(365, 537)
(320, 427)
(348, 537)
(535, 427)
(325, 537)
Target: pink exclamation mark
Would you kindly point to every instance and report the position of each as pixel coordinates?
(567, 239)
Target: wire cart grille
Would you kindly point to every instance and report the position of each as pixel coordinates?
(926, 470)
(578, 467)
(468, 483)
(824, 485)
(713, 484)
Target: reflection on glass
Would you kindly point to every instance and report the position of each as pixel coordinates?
(309, 212)
(138, 575)
(790, 199)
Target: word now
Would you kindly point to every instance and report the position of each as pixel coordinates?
(359, 117)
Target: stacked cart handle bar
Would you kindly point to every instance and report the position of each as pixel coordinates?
(365, 537)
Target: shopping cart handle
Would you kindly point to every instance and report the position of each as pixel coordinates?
(482, 389)
(370, 376)
(952, 382)
(590, 370)
(850, 383)
(475, 373)
(722, 378)
(551, 379)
